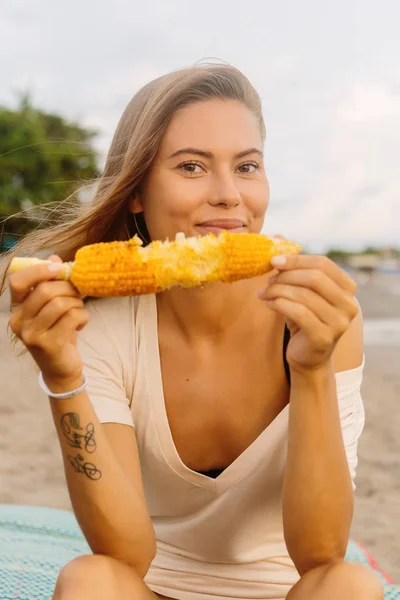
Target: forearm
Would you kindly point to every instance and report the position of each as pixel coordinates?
(112, 514)
(317, 493)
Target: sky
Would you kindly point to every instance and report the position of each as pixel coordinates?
(328, 74)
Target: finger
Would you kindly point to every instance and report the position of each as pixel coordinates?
(36, 300)
(55, 258)
(321, 284)
(22, 282)
(321, 263)
(45, 292)
(74, 320)
(304, 318)
(325, 312)
(31, 331)
(53, 311)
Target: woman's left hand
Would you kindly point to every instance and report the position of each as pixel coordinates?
(317, 298)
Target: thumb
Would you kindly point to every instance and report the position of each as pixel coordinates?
(55, 258)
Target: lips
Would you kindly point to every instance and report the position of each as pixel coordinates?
(221, 224)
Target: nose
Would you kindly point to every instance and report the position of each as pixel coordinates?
(224, 192)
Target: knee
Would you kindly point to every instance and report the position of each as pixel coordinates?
(357, 578)
(85, 577)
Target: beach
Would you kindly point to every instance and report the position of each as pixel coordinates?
(31, 470)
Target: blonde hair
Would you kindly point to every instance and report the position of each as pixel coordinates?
(133, 149)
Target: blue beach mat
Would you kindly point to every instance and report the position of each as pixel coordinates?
(36, 542)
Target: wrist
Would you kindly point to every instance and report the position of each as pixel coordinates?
(61, 385)
(314, 377)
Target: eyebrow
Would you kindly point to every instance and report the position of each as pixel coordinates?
(205, 154)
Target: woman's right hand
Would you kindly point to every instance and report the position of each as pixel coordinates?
(46, 316)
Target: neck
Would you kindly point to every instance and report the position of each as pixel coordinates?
(211, 311)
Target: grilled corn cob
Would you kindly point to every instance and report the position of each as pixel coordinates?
(128, 269)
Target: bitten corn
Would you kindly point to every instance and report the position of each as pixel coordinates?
(128, 269)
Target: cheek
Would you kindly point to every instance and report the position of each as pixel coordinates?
(168, 203)
(259, 199)
(257, 205)
(171, 199)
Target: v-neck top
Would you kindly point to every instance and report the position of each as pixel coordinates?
(216, 537)
(214, 473)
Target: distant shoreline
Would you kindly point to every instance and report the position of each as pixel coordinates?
(379, 297)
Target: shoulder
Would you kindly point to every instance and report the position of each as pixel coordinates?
(112, 313)
(119, 319)
(109, 342)
(349, 351)
(110, 320)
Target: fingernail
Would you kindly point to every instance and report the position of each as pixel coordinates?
(260, 294)
(55, 267)
(278, 261)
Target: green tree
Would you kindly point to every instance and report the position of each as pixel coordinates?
(338, 255)
(43, 158)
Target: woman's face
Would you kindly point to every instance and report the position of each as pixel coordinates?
(208, 174)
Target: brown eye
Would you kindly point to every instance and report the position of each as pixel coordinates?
(249, 167)
(191, 168)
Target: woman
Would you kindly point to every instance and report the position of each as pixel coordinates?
(224, 463)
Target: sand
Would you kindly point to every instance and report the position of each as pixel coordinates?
(31, 470)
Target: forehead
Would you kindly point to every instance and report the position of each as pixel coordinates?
(212, 125)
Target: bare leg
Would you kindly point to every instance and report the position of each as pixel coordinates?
(96, 577)
(340, 581)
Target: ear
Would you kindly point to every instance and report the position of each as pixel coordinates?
(135, 203)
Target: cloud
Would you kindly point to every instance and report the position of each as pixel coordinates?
(370, 103)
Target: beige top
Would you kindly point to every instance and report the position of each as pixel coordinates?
(216, 538)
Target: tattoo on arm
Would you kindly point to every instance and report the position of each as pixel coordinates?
(71, 425)
(79, 466)
(77, 437)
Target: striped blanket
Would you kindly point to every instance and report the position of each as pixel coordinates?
(35, 543)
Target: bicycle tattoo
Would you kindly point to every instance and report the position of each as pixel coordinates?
(79, 466)
(70, 425)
